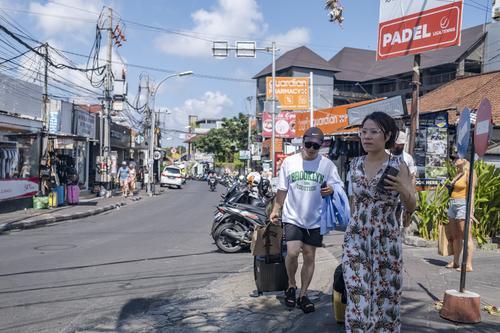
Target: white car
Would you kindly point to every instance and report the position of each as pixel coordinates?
(171, 176)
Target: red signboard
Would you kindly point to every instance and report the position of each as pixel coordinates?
(483, 127)
(278, 160)
(284, 125)
(426, 30)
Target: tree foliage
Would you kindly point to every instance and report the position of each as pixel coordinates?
(225, 141)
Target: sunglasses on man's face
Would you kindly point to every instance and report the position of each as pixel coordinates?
(312, 144)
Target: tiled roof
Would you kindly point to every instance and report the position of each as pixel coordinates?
(359, 65)
(465, 92)
(299, 57)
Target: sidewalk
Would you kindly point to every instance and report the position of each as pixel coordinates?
(226, 304)
(424, 282)
(89, 205)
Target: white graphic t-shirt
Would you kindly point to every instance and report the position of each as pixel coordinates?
(302, 180)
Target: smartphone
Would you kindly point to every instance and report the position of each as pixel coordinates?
(390, 170)
(323, 185)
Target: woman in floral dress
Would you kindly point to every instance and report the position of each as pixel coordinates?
(372, 258)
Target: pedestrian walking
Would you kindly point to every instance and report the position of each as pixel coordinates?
(303, 179)
(132, 177)
(123, 173)
(456, 214)
(372, 255)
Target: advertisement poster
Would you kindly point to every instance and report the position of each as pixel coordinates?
(278, 160)
(411, 27)
(284, 125)
(291, 92)
(18, 188)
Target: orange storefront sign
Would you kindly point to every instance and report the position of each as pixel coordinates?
(329, 120)
(291, 92)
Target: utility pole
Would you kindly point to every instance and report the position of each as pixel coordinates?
(45, 115)
(414, 103)
(249, 143)
(151, 116)
(273, 117)
(108, 87)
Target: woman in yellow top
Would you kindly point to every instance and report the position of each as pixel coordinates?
(456, 214)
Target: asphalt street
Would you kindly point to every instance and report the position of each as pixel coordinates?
(76, 274)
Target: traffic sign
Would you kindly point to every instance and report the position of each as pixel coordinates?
(139, 139)
(483, 127)
(463, 133)
(157, 155)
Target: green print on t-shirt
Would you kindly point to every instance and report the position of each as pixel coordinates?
(307, 175)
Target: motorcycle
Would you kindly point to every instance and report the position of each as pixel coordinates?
(237, 216)
(212, 182)
(234, 225)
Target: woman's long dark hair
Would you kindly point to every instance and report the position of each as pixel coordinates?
(386, 124)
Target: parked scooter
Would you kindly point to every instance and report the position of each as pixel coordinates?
(234, 225)
(238, 215)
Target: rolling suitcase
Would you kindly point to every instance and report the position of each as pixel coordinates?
(60, 195)
(52, 199)
(270, 270)
(73, 194)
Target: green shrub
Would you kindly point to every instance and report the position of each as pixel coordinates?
(432, 206)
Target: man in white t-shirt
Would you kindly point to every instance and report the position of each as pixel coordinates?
(304, 178)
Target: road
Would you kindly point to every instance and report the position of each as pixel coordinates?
(108, 267)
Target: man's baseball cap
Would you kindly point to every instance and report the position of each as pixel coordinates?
(315, 135)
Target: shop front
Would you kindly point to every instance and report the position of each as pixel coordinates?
(20, 142)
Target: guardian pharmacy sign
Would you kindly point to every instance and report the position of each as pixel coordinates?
(410, 27)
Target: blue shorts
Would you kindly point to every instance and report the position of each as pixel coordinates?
(457, 209)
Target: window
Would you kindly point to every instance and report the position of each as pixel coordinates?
(19, 156)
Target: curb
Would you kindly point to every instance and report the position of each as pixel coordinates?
(33, 223)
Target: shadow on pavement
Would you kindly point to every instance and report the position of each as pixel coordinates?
(435, 262)
(266, 313)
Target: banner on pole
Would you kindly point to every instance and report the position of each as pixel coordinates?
(291, 92)
(411, 27)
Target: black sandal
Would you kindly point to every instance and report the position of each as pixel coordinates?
(305, 304)
(290, 299)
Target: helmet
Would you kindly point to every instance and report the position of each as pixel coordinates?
(253, 178)
(266, 186)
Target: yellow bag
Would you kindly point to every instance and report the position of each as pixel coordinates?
(53, 199)
(338, 307)
(444, 247)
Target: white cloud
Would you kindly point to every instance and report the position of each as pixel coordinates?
(52, 21)
(210, 105)
(291, 39)
(241, 18)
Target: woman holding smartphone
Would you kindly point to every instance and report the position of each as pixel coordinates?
(372, 256)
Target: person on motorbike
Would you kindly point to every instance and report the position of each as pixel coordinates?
(212, 179)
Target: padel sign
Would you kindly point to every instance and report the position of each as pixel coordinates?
(410, 27)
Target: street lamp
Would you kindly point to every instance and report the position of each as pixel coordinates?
(247, 49)
(152, 127)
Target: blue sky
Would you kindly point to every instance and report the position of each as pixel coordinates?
(219, 86)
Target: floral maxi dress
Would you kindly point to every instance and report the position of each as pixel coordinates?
(372, 255)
